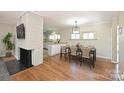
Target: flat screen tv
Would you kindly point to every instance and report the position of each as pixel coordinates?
(20, 31)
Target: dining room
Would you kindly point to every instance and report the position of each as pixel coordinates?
(85, 42)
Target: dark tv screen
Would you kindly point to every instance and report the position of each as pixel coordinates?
(20, 31)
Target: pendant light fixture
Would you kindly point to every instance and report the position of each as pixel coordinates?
(75, 29)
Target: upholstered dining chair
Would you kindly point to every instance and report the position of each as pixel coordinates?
(72, 53)
(87, 55)
(94, 51)
(90, 46)
(81, 45)
(63, 51)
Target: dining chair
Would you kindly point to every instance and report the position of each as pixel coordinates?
(72, 53)
(86, 55)
(90, 46)
(63, 51)
(93, 52)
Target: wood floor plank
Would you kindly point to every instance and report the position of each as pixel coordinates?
(55, 68)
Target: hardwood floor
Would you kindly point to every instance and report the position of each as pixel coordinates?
(55, 68)
(6, 59)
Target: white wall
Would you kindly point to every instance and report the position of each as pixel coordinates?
(33, 36)
(4, 29)
(114, 38)
(102, 42)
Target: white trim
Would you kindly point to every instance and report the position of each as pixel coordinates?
(119, 77)
(21, 14)
(35, 13)
(3, 55)
(113, 61)
(16, 57)
(26, 12)
(103, 57)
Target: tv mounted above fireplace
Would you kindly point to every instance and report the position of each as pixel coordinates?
(20, 30)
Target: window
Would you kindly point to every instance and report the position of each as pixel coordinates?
(75, 35)
(51, 37)
(54, 36)
(58, 36)
(88, 36)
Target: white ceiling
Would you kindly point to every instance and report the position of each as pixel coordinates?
(56, 20)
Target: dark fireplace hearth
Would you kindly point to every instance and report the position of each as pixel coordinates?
(26, 57)
(22, 64)
(14, 66)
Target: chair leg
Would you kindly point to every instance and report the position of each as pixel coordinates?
(65, 56)
(82, 60)
(80, 63)
(93, 64)
(69, 58)
(76, 59)
(90, 66)
(60, 55)
(90, 63)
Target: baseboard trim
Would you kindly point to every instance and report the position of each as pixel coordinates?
(114, 61)
(2, 55)
(105, 59)
(16, 57)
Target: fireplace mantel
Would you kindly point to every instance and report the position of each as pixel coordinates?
(27, 48)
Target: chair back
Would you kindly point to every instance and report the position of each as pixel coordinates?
(81, 46)
(91, 47)
(63, 49)
(73, 50)
(86, 52)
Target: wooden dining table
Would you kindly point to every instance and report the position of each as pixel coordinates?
(93, 51)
